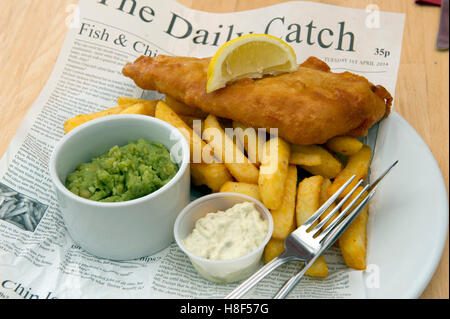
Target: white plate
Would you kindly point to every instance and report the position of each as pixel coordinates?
(410, 220)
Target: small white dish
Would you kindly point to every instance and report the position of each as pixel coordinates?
(220, 271)
(129, 229)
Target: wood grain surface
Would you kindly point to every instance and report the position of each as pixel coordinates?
(32, 33)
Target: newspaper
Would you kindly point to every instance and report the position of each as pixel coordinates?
(38, 259)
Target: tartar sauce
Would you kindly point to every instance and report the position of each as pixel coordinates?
(228, 234)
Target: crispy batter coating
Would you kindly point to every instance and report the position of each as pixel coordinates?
(308, 106)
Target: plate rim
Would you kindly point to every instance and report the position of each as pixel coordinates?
(429, 269)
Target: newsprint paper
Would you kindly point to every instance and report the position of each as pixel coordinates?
(38, 259)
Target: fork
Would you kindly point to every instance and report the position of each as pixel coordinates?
(308, 242)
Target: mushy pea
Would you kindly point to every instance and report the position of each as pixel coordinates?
(123, 173)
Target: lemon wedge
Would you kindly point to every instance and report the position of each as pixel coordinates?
(249, 56)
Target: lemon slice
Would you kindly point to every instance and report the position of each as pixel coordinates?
(249, 56)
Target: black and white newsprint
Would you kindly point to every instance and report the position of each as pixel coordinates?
(38, 258)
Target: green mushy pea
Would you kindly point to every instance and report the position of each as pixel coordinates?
(123, 173)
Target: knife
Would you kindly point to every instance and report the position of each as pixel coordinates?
(442, 40)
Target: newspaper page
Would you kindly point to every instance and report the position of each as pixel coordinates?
(38, 259)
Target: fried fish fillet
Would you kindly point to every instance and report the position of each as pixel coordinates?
(308, 106)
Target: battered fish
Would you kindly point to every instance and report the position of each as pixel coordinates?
(308, 106)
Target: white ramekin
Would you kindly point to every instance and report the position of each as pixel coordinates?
(221, 271)
(129, 229)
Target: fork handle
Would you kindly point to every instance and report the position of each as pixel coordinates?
(248, 284)
(291, 283)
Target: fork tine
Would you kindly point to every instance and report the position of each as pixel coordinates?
(348, 220)
(335, 233)
(342, 214)
(336, 209)
(372, 188)
(292, 282)
(374, 184)
(327, 204)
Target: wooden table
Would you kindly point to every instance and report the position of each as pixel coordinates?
(32, 33)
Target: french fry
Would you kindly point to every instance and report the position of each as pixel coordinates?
(127, 105)
(200, 151)
(213, 175)
(273, 172)
(353, 242)
(189, 120)
(323, 198)
(308, 202)
(225, 149)
(139, 108)
(252, 141)
(308, 198)
(251, 190)
(357, 164)
(284, 217)
(275, 247)
(183, 109)
(73, 122)
(149, 105)
(318, 269)
(305, 155)
(344, 145)
(330, 166)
